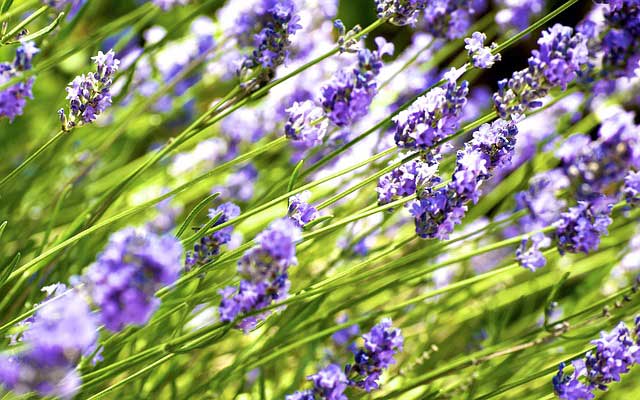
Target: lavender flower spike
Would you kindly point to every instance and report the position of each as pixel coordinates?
(13, 98)
(562, 56)
(56, 337)
(89, 95)
(300, 211)
(132, 267)
(632, 188)
(264, 272)
(530, 257)
(209, 246)
(400, 12)
(380, 346)
(481, 55)
(580, 228)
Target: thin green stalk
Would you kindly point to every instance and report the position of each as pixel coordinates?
(32, 157)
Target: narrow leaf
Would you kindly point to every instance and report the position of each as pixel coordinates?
(194, 212)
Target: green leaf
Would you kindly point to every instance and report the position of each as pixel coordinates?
(194, 213)
(44, 30)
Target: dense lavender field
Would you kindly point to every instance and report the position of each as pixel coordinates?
(319, 199)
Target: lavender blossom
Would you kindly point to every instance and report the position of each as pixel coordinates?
(432, 117)
(126, 275)
(306, 124)
(400, 12)
(562, 56)
(528, 253)
(89, 95)
(579, 229)
(615, 353)
(13, 98)
(438, 209)
(209, 246)
(56, 337)
(594, 167)
(621, 41)
(632, 188)
(481, 56)
(267, 28)
(404, 181)
(448, 19)
(346, 98)
(380, 346)
(300, 211)
(517, 13)
(264, 273)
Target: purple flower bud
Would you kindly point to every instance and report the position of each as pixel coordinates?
(128, 272)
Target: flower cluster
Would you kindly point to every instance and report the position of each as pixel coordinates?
(400, 12)
(562, 56)
(481, 55)
(448, 19)
(132, 267)
(597, 166)
(306, 124)
(621, 41)
(614, 354)
(89, 95)
(346, 98)
(209, 246)
(528, 253)
(579, 229)
(632, 188)
(381, 344)
(405, 180)
(300, 211)
(62, 330)
(264, 273)
(14, 98)
(518, 13)
(267, 29)
(438, 209)
(432, 117)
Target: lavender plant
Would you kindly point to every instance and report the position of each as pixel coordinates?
(259, 188)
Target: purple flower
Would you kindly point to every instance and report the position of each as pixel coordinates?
(404, 180)
(579, 229)
(595, 167)
(621, 41)
(301, 395)
(56, 337)
(346, 98)
(89, 95)
(381, 344)
(572, 386)
(209, 246)
(300, 211)
(632, 188)
(614, 355)
(128, 272)
(400, 12)
(306, 124)
(448, 19)
(518, 13)
(528, 253)
(438, 209)
(264, 274)
(267, 28)
(343, 336)
(329, 383)
(562, 56)
(13, 98)
(432, 117)
(481, 55)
